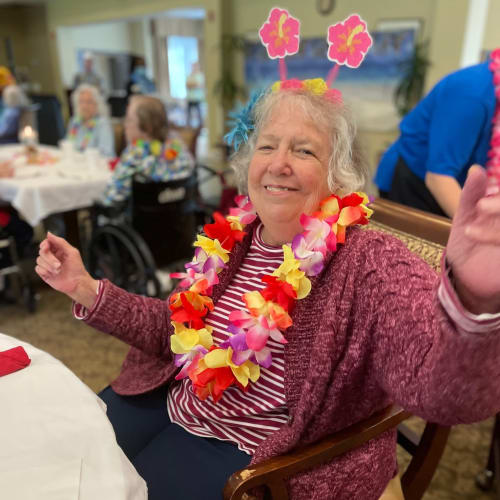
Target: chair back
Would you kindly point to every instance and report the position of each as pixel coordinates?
(50, 120)
(163, 213)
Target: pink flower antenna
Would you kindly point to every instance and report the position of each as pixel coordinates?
(348, 41)
(280, 35)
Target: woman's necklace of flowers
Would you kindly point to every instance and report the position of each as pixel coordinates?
(89, 131)
(237, 361)
(169, 151)
(493, 163)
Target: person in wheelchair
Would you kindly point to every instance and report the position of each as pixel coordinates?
(291, 323)
(151, 154)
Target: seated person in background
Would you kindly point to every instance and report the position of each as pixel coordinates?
(149, 152)
(300, 326)
(12, 225)
(447, 132)
(90, 126)
(14, 102)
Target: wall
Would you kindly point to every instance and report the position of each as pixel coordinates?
(67, 13)
(492, 32)
(27, 29)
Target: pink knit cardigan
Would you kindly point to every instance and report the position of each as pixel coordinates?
(371, 332)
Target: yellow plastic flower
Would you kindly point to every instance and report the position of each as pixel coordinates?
(276, 86)
(156, 148)
(366, 200)
(212, 247)
(316, 86)
(235, 223)
(218, 358)
(289, 271)
(185, 339)
(330, 207)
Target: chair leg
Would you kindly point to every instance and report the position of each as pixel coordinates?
(484, 480)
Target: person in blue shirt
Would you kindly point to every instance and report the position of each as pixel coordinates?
(14, 102)
(440, 139)
(90, 126)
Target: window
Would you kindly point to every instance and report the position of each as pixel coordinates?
(182, 53)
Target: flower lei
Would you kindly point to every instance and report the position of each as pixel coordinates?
(493, 163)
(237, 361)
(89, 126)
(169, 151)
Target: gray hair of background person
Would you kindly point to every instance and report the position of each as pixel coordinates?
(102, 107)
(14, 97)
(348, 169)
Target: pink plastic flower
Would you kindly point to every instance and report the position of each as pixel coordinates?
(244, 211)
(311, 261)
(348, 41)
(259, 329)
(280, 34)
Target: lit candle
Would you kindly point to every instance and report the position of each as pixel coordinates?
(28, 136)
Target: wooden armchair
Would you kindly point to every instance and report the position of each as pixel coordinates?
(424, 234)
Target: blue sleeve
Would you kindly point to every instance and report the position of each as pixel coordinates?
(9, 124)
(106, 139)
(455, 129)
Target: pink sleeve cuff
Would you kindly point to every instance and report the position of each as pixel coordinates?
(465, 320)
(81, 312)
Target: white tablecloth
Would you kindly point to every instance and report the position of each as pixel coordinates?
(38, 191)
(55, 439)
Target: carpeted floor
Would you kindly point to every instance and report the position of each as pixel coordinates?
(96, 359)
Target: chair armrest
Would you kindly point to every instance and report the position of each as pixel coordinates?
(276, 470)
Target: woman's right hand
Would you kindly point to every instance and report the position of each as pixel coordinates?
(60, 265)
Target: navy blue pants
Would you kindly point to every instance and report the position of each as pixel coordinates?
(174, 463)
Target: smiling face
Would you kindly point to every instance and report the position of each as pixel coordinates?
(288, 171)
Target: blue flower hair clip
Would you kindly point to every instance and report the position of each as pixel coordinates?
(241, 121)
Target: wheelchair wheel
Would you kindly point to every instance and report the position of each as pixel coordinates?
(119, 254)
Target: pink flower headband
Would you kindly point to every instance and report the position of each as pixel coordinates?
(348, 43)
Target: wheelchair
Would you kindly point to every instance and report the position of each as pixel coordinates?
(154, 229)
(10, 267)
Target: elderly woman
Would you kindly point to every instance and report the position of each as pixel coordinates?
(151, 154)
(320, 325)
(14, 102)
(90, 126)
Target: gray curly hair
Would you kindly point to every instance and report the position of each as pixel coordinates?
(347, 168)
(102, 108)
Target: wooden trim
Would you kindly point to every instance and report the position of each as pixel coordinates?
(412, 221)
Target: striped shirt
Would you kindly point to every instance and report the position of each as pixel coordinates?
(245, 418)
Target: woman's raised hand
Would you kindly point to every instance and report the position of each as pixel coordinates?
(60, 265)
(473, 250)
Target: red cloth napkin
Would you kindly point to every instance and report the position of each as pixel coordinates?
(13, 360)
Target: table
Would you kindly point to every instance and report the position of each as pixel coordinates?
(64, 187)
(56, 441)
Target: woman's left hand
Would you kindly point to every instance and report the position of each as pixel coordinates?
(473, 249)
